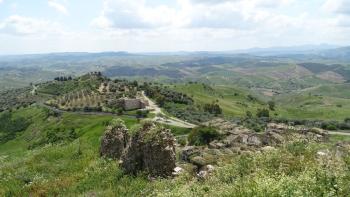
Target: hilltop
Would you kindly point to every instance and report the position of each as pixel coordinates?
(229, 123)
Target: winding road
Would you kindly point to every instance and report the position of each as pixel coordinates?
(161, 117)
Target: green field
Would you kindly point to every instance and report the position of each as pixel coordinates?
(232, 100)
(74, 168)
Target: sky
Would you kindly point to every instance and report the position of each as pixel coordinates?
(43, 26)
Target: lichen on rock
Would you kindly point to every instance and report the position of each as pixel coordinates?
(115, 140)
(150, 149)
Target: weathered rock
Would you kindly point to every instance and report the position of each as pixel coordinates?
(217, 145)
(319, 135)
(115, 140)
(342, 149)
(177, 171)
(152, 150)
(159, 154)
(268, 148)
(205, 171)
(272, 138)
(246, 139)
(190, 151)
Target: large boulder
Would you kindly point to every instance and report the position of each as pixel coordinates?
(249, 139)
(152, 150)
(115, 140)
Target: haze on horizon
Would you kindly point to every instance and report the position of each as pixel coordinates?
(163, 25)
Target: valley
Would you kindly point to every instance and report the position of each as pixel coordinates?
(196, 124)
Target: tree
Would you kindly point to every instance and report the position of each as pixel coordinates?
(263, 113)
(203, 135)
(249, 114)
(347, 120)
(213, 108)
(160, 99)
(139, 114)
(272, 105)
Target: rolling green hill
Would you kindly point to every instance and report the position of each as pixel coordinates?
(234, 101)
(67, 164)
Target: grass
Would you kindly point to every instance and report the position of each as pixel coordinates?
(307, 105)
(75, 168)
(233, 101)
(303, 105)
(67, 167)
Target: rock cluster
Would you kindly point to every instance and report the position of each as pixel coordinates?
(115, 140)
(240, 140)
(150, 149)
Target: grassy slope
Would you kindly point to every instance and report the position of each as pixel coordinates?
(232, 105)
(328, 102)
(60, 169)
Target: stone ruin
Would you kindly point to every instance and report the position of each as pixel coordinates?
(240, 140)
(150, 149)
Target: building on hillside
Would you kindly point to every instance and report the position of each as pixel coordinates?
(133, 104)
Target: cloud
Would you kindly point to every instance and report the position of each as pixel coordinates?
(132, 14)
(337, 6)
(19, 25)
(58, 6)
(252, 3)
(219, 14)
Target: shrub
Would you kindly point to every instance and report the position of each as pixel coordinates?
(203, 135)
(182, 141)
(9, 126)
(213, 108)
(263, 113)
(329, 126)
(249, 114)
(271, 105)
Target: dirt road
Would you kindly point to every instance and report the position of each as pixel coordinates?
(339, 133)
(161, 117)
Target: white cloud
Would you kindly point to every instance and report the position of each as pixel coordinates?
(19, 25)
(337, 6)
(145, 25)
(251, 3)
(132, 14)
(58, 6)
(237, 14)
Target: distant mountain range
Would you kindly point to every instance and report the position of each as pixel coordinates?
(323, 51)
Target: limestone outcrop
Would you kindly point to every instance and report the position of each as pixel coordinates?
(115, 140)
(150, 149)
(240, 140)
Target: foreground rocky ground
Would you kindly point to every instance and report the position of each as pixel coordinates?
(151, 148)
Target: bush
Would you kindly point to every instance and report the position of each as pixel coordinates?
(329, 126)
(203, 135)
(182, 141)
(213, 108)
(271, 105)
(9, 126)
(263, 113)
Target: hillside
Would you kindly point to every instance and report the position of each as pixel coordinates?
(58, 154)
(330, 102)
(222, 112)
